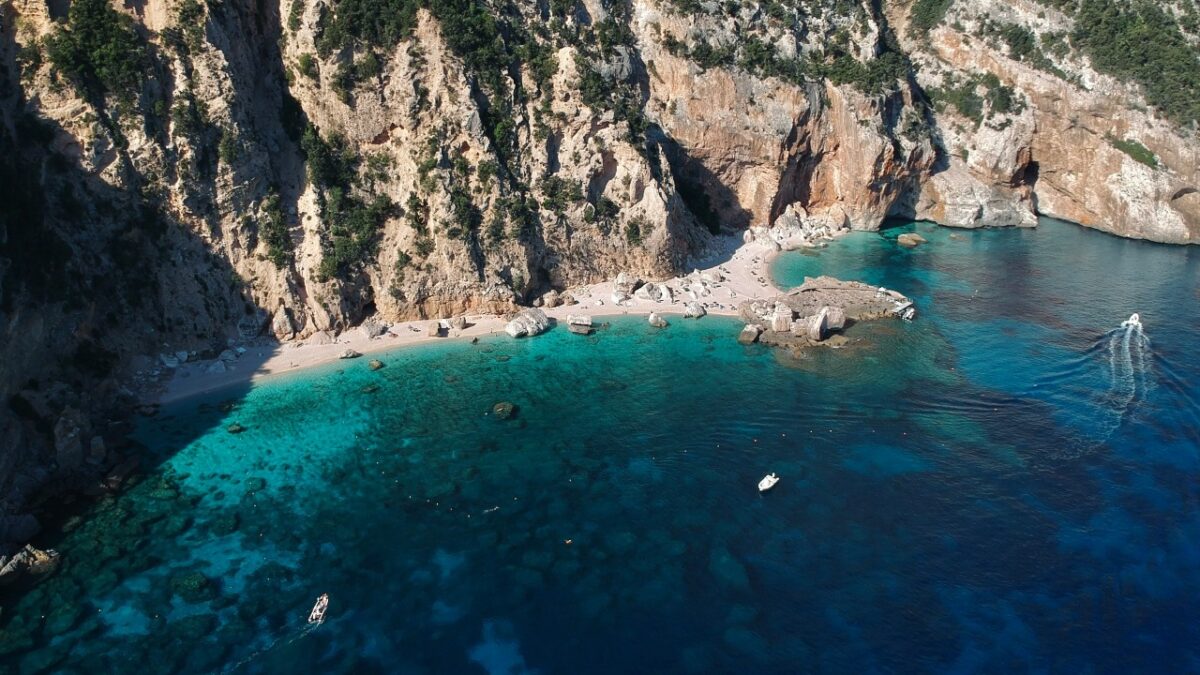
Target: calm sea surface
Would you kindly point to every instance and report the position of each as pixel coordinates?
(1009, 483)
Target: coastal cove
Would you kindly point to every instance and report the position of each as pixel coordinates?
(1006, 483)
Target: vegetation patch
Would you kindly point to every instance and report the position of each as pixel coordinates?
(978, 97)
(926, 15)
(99, 51)
(1138, 40)
(1135, 150)
(353, 235)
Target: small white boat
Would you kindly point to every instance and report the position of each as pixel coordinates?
(767, 482)
(317, 615)
(1133, 321)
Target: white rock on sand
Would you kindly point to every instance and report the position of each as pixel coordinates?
(527, 323)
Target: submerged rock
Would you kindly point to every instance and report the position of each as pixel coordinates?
(527, 323)
(224, 524)
(193, 587)
(910, 239)
(503, 410)
(235, 428)
(375, 364)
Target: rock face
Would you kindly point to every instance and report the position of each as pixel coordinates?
(1055, 135)
(527, 323)
(693, 310)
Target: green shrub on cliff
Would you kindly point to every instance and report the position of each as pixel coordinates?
(274, 232)
(1137, 151)
(99, 50)
(353, 225)
(926, 15)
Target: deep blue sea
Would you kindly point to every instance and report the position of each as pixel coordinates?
(1007, 484)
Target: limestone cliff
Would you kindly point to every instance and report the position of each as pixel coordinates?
(183, 173)
(1028, 123)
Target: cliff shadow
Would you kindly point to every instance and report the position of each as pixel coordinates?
(710, 201)
(101, 286)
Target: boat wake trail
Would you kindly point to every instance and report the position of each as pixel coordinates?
(292, 633)
(1098, 392)
(1130, 360)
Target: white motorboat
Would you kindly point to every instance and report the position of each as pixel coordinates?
(767, 482)
(1133, 321)
(317, 615)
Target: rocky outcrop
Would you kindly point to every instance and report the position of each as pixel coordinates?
(809, 314)
(28, 561)
(749, 334)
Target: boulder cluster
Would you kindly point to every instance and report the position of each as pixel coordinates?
(819, 308)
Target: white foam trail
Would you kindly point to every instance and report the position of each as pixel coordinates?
(1129, 360)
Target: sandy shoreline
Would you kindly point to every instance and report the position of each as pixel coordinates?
(743, 269)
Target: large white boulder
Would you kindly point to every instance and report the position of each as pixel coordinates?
(527, 323)
(781, 318)
(749, 334)
(372, 328)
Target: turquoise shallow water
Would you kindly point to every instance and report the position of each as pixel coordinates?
(1008, 483)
